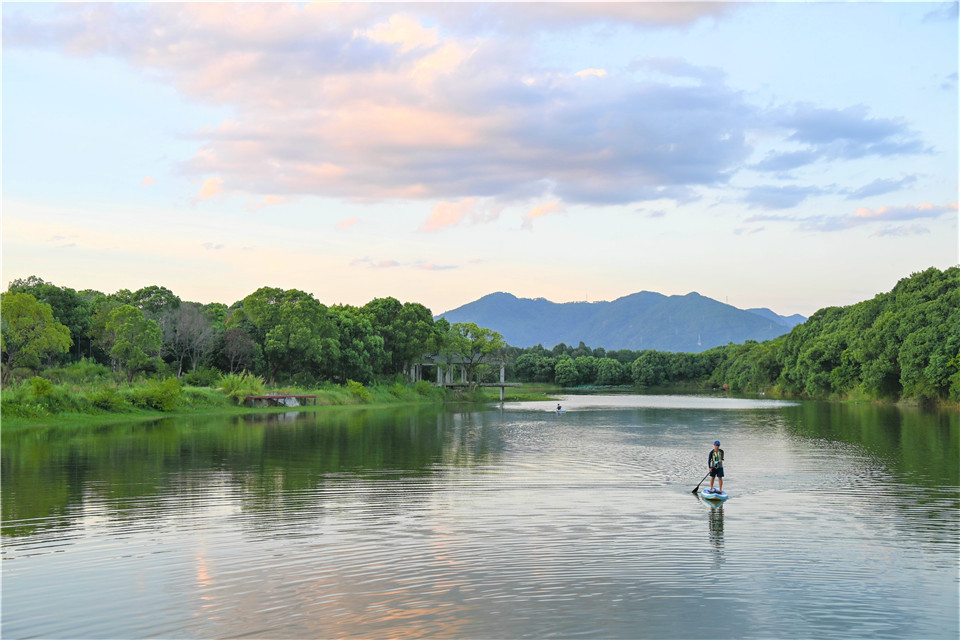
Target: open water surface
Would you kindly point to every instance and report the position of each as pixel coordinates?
(488, 523)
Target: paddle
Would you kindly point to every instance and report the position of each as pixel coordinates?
(700, 483)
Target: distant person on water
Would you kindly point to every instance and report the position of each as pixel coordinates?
(558, 408)
(715, 464)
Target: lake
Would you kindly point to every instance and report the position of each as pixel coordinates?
(493, 522)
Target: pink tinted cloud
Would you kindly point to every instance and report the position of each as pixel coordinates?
(210, 188)
(448, 214)
(349, 222)
(266, 201)
(905, 212)
(367, 101)
(541, 210)
(864, 216)
(467, 211)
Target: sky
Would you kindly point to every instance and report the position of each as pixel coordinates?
(792, 156)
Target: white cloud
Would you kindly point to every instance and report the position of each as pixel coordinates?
(377, 101)
(599, 73)
(403, 30)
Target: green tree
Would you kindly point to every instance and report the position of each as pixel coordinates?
(586, 366)
(361, 353)
(70, 308)
(296, 332)
(565, 372)
(650, 369)
(610, 372)
(413, 334)
(534, 367)
(472, 347)
(29, 332)
(154, 300)
(136, 340)
(407, 331)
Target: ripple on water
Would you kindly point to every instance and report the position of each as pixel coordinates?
(521, 524)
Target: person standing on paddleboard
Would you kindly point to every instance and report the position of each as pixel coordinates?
(715, 464)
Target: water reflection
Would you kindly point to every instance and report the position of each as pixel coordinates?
(501, 523)
(715, 522)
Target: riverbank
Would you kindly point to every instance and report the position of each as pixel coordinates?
(39, 403)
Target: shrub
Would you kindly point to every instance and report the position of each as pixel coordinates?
(162, 396)
(239, 385)
(358, 391)
(202, 377)
(40, 387)
(197, 397)
(108, 399)
(423, 387)
(84, 371)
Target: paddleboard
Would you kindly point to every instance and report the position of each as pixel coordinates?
(709, 495)
(562, 411)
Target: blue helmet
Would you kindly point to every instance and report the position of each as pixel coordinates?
(717, 443)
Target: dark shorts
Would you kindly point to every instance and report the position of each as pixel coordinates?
(716, 473)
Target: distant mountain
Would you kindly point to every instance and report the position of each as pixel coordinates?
(645, 320)
(790, 321)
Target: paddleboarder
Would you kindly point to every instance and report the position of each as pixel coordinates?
(715, 463)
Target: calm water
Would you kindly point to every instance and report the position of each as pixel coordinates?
(495, 523)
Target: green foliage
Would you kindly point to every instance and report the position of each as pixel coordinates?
(407, 331)
(202, 397)
(361, 351)
(109, 399)
(534, 367)
(202, 377)
(565, 372)
(901, 344)
(29, 332)
(423, 388)
(358, 391)
(83, 372)
(471, 347)
(160, 395)
(38, 397)
(295, 331)
(69, 308)
(610, 372)
(40, 387)
(239, 385)
(136, 339)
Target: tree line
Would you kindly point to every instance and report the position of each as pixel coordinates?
(282, 335)
(901, 344)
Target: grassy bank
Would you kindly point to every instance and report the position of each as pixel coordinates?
(41, 402)
(38, 401)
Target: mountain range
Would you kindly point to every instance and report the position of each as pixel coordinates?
(646, 320)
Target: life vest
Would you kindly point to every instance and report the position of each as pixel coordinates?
(716, 459)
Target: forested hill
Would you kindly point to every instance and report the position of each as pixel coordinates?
(691, 323)
(905, 343)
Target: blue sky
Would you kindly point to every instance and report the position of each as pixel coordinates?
(783, 155)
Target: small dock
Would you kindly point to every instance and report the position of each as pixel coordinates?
(280, 400)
